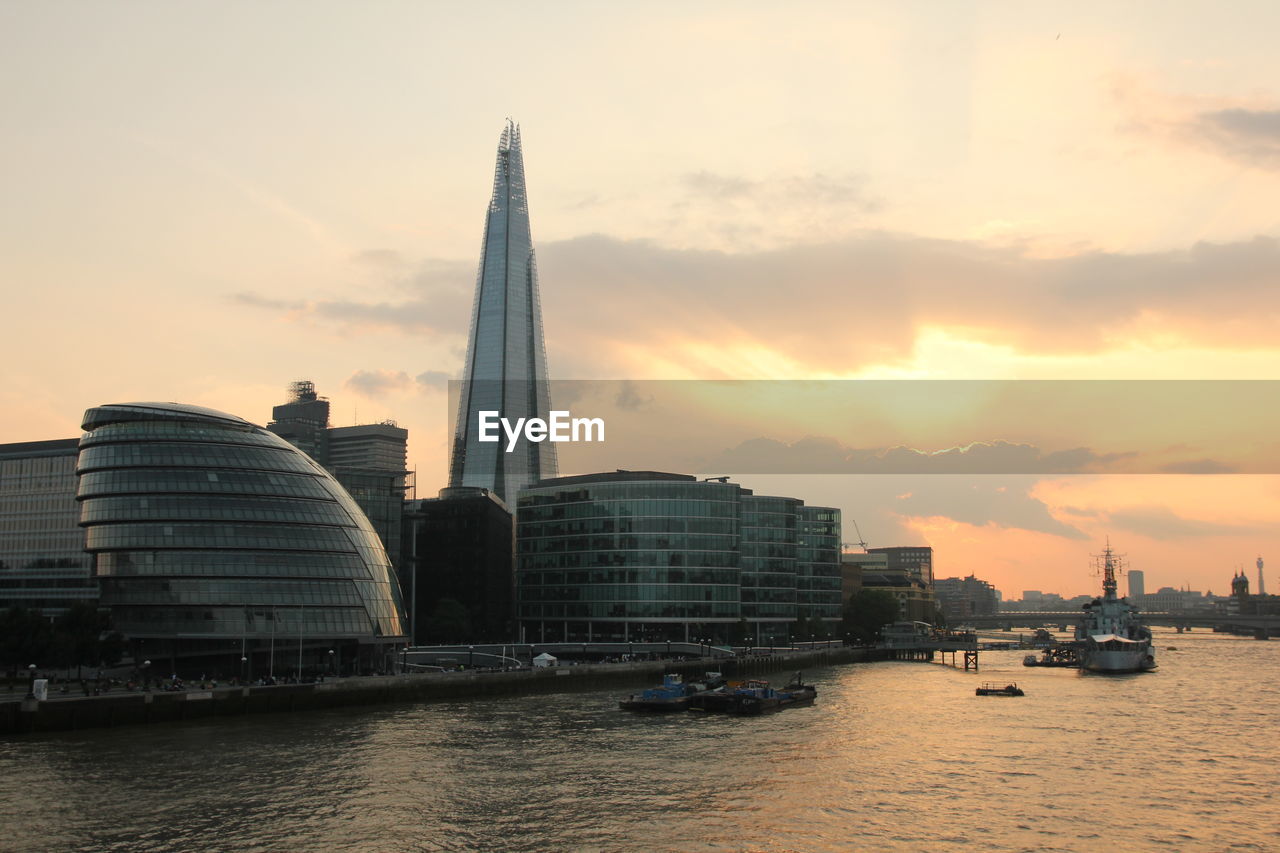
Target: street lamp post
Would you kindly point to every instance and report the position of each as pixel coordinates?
(31, 681)
(332, 671)
(471, 655)
(146, 676)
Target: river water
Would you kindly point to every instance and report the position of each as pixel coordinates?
(893, 756)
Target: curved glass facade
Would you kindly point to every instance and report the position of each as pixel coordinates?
(646, 555)
(203, 526)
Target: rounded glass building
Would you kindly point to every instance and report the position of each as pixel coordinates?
(215, 540)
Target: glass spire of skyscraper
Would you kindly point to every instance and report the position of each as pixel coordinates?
(506, 361)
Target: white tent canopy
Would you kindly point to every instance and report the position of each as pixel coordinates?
(545, 659)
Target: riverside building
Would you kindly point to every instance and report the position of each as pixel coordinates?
(220, 547)
(43, 564)
(644, 555)
(459, 555)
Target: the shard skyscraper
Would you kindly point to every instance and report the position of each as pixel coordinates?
(506, 360)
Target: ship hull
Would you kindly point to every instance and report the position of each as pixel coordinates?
(1135, 660)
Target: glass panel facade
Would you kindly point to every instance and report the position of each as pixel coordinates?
(638, 555)
(204, 526)
(43, 565)
(506, 367)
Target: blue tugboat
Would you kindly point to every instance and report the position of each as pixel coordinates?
(673, 695)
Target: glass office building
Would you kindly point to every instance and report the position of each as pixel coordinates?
(506, 368)
(213, 537)
(43, 565)
(643, 555)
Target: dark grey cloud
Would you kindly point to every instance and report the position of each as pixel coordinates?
(827, 455)
(376, 383)
(1199, 466)
(431, 298)
(435, 380)
(1249, 136)
(629, 398)
(1158, 522)
(1006, 503)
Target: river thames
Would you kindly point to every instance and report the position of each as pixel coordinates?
(894, 756)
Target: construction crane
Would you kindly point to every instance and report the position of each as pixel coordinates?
(861, 543)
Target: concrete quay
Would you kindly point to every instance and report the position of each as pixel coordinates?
(22, 716)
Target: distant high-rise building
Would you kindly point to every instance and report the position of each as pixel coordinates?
(960, 598)
(915, 560)
(369, 460)
(43, 564)
(1137, 584)
(506, 369)
(1262, 587)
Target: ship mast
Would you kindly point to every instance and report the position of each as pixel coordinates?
(1110, 566)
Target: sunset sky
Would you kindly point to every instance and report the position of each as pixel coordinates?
(206, 201)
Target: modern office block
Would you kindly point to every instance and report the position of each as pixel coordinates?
(460, 567)
(43, 564)
(644, 555)
(915, 560)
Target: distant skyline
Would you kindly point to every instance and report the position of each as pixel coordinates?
(205, 202)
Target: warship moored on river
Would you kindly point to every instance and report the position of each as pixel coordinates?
(1113, 636)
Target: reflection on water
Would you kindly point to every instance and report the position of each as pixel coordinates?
(894, 756)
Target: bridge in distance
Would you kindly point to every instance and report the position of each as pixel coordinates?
(1188, 619)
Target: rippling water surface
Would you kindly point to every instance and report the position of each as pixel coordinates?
(894, 756)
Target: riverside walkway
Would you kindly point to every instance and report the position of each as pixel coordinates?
(76, 711)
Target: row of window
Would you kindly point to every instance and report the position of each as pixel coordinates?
(231, 622)
(660, 524)
(175, 431)
(177, 455)
(630, 592)
(654, 559)
(211, 508)
(268, 563)
(634, 610)
(126, 595)
(99, 483)
(627, 542)
(182, 535)
(604, 576)
(637, 490)
(628, 509)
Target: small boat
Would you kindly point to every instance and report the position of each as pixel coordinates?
(1031, 660)
(995, 688)
(754, 697)
(673, 695)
